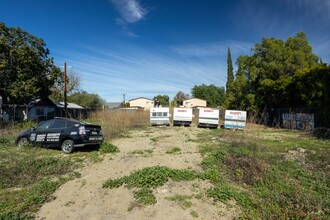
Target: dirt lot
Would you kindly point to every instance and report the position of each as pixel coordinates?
(84, 198)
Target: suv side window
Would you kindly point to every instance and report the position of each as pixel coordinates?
(58, 124)
(44, 125)
(71, 124)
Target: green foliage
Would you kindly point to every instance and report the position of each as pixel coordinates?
(26, 170)
(147, 178)
(108, 147)
(151, 177)
(164, 100)
(86, 100)
(145, 196)
(267, 78)
(178, 197)
(322, 132)
(213, 95)
(194, 214)
(183, 200)
(143, 153)
(174, 150)
(295, 192)
(28, 179)
(26, 72)
(230, 72)
(267, 175)
(224, 193)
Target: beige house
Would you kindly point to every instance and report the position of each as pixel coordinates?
(142, 102)
(194, 102)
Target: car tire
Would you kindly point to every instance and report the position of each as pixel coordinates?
(22, 142)
(67, 146)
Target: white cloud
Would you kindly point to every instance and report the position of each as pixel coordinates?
(213, 49)
(130, 11)
(137, 72)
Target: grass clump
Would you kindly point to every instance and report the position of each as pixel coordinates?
(29, 177)
(145, 196)
(194, 214)
(150, 177)
(271, 174)
(26, 170)
(143, 153)
(174, 150)
(108, 147)
(183, 200)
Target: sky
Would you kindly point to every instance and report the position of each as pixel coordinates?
(144, 48)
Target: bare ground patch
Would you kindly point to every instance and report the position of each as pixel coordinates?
(84, 198)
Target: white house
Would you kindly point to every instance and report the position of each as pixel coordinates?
(142, 102)
(194, 102)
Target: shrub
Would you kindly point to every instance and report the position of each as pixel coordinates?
(322, 132)
(108, 147)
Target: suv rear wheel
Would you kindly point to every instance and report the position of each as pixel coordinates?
(67, 146)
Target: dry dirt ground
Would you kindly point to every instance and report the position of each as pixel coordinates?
(84, 198)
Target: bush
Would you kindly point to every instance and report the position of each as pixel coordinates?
(322, 132)
(108, 147)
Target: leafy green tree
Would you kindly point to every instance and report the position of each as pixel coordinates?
(87, 100)
(230, 72)
(241, 95)
(26, 72)
(162, 99)
(213, 95)
(269, 74)
(313, 85)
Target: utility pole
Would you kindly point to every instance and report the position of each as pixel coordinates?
(124, 100)
(65, 99)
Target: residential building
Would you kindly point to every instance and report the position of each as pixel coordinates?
(194, 102)
(142, 102)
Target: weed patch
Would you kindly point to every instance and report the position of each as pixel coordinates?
(143, 153)
(145, 196)
(150, 177)
(108, 147)
(174, 150)
(271, 174)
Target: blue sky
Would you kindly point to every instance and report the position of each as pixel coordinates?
(150, 47)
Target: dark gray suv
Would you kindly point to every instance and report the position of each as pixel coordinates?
(62, 132)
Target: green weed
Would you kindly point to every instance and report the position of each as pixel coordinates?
(174, 150)
(108, 147)
(178, 197)
(145, 196)
(151, 177)
(194, 214)
(143, 153)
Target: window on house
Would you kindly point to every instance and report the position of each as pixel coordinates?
(40, 111)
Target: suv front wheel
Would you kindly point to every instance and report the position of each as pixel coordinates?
(67, 146)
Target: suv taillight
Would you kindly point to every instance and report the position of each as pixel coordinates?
(82, 130)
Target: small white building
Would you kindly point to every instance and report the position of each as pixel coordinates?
(194, 102)
(142, 102)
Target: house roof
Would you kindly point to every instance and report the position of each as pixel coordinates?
(42, 102)
(114, 104)
(141, 98)
(69, 105)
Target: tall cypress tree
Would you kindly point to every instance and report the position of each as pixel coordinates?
(230, 72)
